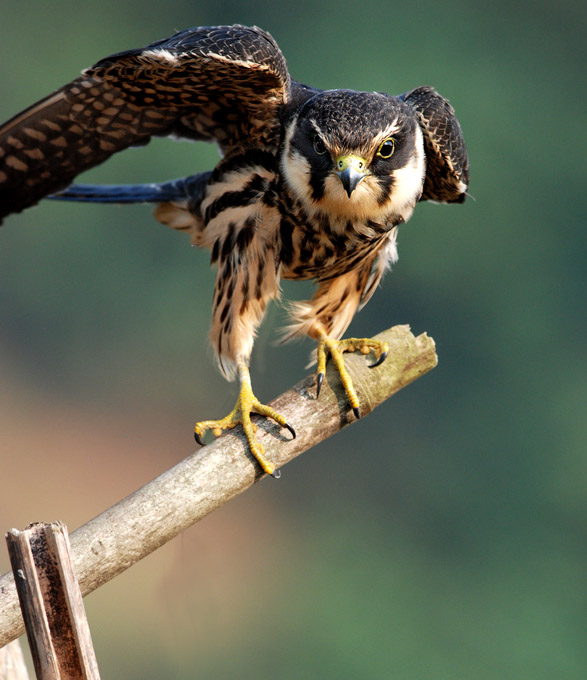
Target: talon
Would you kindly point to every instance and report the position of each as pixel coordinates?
(246, 405)
(290, 428)
(276, 474)
(331, 348)
(379, 361)
(319, 381)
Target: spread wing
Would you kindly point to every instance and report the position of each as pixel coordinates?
(447, 163)
(222, 83)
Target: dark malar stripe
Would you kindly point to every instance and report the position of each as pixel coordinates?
(385, 184)
(317, 182)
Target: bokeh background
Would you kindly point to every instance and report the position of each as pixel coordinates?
(442, 537)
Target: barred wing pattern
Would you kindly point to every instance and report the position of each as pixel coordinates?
(447, 163)
(223, 84)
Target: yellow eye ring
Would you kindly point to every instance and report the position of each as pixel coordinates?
(386, 148)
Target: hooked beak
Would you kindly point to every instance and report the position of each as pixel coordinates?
(350, 171)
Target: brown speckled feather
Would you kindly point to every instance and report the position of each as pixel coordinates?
(221, 84)
(447, 171)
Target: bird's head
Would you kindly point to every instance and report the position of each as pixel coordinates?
(355, 155)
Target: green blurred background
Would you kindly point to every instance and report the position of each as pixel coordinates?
(443, 536)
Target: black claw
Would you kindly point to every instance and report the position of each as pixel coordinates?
(356, 412)
(379, 361)
(319, 381)
(292, 431)
(199, 439)
(276, 474)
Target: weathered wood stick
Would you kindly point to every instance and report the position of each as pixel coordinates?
(51, 603)
(142, 522)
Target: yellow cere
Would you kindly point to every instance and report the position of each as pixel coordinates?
(356, 162)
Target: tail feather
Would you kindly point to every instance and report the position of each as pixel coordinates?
(187, 188)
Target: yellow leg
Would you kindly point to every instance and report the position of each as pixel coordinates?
(336, 348)
(246, 404)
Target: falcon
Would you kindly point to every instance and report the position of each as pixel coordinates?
(311, 184)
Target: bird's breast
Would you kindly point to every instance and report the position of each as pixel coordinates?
(321, 248)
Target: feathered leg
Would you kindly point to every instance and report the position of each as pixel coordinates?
(326, 317)
(246, 281)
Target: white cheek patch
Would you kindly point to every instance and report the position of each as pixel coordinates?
(297, 174)
(409, 180)
(296, 168)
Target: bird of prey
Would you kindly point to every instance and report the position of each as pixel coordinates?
(312, 184)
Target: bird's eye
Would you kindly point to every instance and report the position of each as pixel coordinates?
(386, 148)
(319, 146)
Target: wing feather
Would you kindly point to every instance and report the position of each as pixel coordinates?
(222, 83)
(447, 163)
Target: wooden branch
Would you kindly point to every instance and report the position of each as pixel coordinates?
(51, 603)
(139, 524)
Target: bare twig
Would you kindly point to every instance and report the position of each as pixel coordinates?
(139, 524)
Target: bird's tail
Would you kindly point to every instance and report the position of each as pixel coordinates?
(178, 200)
(189, 189)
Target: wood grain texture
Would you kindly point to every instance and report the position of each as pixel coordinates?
(51, 602)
